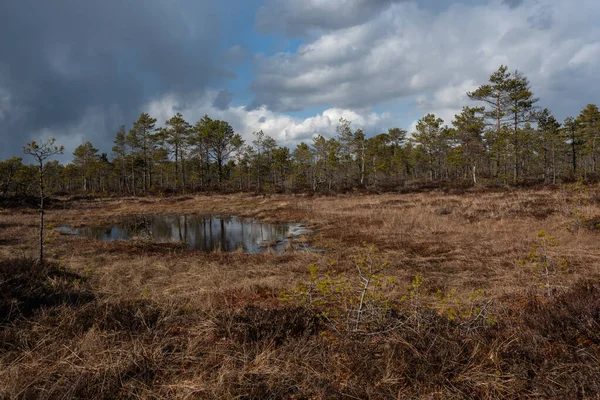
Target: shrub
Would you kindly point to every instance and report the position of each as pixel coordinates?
(546, 268)
(349, 302)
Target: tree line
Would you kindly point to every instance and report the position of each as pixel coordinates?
(503, 138)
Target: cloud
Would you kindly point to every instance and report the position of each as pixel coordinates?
(297, 18)
(223, 100)
(512, 3)
(6, 106)
(588, 54)
(448, 96)
(65, 60)
(316, 17)
(411, 50)
(287, 130)
(77, 70)
(236, 55)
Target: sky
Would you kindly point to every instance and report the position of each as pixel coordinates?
(77, 70)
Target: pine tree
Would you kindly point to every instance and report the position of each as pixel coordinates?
(496, 101)
(176, 135)
(571, 131)
(144, 129)
(521, 110)
(303, 166)
(552, 141)
(432, 143)
(85, 157)
(588, 123)
(41, 152)
(220, 141)
(198, 140)
(470, 125)
(8, 172)
(120, 156)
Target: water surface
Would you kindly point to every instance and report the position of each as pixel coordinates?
(206, 233)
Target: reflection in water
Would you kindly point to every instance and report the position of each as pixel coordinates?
(205, 233)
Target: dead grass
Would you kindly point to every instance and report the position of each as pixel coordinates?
(169, 323)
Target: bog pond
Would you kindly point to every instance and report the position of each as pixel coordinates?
(205, 233)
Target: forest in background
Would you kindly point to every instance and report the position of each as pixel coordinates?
(504, 139)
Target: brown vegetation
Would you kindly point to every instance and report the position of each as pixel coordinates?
(144, 320)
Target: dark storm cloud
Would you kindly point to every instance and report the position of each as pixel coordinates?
(62, 61)
(301, 17)
(512, 3)
(314, 17)
(236, 55)
(223, 100)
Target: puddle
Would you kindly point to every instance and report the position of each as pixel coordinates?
(205, 233)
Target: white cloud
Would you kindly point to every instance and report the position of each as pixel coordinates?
(451, 96)
(409, 50)
(287, 130)
(588, 54)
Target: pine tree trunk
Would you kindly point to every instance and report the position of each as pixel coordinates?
(176, 166)
(133, 176)
(362, 168)
(144, 171)
(150, 165)
(574, 153)
(182, 159)
(41, 166)
(594, 154)
(553, 164)
(516, 149)
(220, 170)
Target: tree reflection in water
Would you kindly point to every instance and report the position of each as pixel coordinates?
(206, 233)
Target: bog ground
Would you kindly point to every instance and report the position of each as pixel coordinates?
(488, 294)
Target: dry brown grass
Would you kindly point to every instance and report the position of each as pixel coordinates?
(169, 323)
